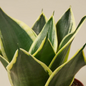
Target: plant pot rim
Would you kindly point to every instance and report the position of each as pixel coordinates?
(77, 83)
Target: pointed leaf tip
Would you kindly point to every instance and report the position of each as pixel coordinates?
(0, 9)
(70, 8)
(53, 13)
(48, 28)
(42, 10)
(84, 44)
(65, 25)
(39, 24)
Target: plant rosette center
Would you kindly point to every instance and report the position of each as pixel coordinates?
(38, 56)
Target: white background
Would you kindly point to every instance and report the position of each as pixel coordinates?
(29, 10)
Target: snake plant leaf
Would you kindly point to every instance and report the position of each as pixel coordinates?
(65, 25)
(40, 22)
(30, 32)
(49, 29)
(65, 40)
(25, 70)
(64, 75)
(60, 57)
(45, 53)
(4, 61)
(12, 36)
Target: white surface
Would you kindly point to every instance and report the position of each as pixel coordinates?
(29, 10)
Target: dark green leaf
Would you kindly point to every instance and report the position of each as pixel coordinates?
(60, 57)
(25, 70)
(45, 53)
(13, 36)
(63, 75)
(30, 32)
(65, 25)
(40, 22)
(64, 47)
(49, 29)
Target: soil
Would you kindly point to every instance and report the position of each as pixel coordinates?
(77, 83)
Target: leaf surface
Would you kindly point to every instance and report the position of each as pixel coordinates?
(50, 30)
(63, 75)
(25, 70)
(45, 53)
(60, 57)
(12, 36)
(39, 24)
(30, 32)
(65, 25)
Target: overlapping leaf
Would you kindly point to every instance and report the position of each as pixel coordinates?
(64, 74)
(39, 24)
(64, 46)
(30, 32)
(12, 36)
(60, 57)
(45, 53)
(50, 30)
(25, 70)
(29, 68)
(65, 25)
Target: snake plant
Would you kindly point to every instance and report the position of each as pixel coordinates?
(38, 56)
